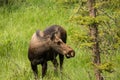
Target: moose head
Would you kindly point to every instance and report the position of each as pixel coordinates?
(58, 45)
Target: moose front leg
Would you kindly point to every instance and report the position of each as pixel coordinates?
(35, 71)
(44, 69)
(61, 58)
(55, 63)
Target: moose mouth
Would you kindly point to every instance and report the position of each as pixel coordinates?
(70, 54)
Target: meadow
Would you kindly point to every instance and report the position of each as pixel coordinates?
(17, 24)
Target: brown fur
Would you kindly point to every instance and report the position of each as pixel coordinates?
(45, 46)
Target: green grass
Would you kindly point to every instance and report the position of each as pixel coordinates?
(17, 24)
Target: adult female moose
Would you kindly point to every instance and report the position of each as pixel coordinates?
(45, 46)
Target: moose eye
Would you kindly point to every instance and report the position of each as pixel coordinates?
(58, 43)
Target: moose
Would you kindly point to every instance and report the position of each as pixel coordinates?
(45, 46)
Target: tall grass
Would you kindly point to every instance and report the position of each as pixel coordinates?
(19, 21)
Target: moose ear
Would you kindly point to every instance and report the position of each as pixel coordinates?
(53, 35)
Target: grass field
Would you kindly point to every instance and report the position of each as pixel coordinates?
(17, 24)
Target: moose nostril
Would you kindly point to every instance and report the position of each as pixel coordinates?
(72, 53)
(68, 56)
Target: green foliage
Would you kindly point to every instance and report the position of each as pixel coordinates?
(67, 1)
(87, 20)
(19, 21)
(111, 4)
(6, 46)
(10, 2)
(108, 66)
(107, 19)
(79, 37)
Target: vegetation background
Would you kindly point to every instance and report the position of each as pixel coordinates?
(19, 19)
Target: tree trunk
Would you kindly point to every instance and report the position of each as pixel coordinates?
(94, 38)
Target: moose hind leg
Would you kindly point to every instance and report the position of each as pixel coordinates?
(44, 69)
(35, 71)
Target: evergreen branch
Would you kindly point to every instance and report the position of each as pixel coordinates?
(113, 19)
